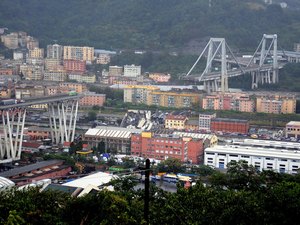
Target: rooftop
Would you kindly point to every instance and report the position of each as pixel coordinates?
(230, 120)
(255, 151)
(115, 132)
(25, 169)
(293, 123)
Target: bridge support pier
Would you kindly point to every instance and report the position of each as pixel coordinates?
(211, 86)
(13, 121)
(62, 118)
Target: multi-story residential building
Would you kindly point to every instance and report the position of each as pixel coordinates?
(122, 80)
(7, 71)
(292, 129)
(229, 125)
(53, 64)
(137, 93)
(10, 40)
(72, 65)
(29, 91)
(92, 99)
(18, 55)
(79, 53)
(36, 53)
(276, 104)
(115, 71)
(32, 72)
(205, 120)
(115, 139)
(262, 158)
(192, 125)
(174, 98)
(85, 78)
(52, 90)
(55, 52)
(229, 101)
(176, 122)
(160, 77)
(211, 103)
(57, 75)
(132, 71)
(31, 42)
(67, 86)
(161, 147)
(103, 59)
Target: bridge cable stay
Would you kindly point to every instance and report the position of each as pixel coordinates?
(241, 68)
(255, 52)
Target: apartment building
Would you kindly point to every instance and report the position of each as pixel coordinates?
(132, 71)
(174, 98)
(32, 72)
(91, 99)
(205, 120)
(103, 59)
(55, 52)
(11, 40)
(36, 53)
(115, 71)
(79, 53)
(82, 78)
(67, 86)
(57, 75)
(160, 77)
(276, 104)
(53, 64)
(176, 122)
(71, 65)
(31, 43)
(161, 147)
(137, 93)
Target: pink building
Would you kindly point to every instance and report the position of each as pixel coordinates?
(160, 77)
(92, 99)
(74, 65)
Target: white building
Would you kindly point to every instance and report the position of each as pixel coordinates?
(55, 51)
(132, 71)
(205, 120)
(262, 158)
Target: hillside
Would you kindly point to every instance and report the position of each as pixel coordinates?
(155, 24)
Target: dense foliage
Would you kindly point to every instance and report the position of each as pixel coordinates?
(154, 24)
(240, 196)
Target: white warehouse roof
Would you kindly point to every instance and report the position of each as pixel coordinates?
(96, 179)
(112, 132)
(254, 151)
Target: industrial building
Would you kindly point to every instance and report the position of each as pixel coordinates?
(262, 158)
(115, 139)
(162, 146)
(229, 125)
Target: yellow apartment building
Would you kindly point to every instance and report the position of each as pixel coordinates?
(138, 94)
(173, 99)
(79, 53)
(176, 122)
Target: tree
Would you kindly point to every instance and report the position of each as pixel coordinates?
(170, 165)
(92, 115)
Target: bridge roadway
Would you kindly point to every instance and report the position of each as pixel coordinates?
(231, 73)
(41, 100)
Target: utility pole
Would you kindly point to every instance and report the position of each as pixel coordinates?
(147, 191)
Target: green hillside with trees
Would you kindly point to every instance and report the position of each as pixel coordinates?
(150, 25)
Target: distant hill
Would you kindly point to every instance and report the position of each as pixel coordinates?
(151, 24)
